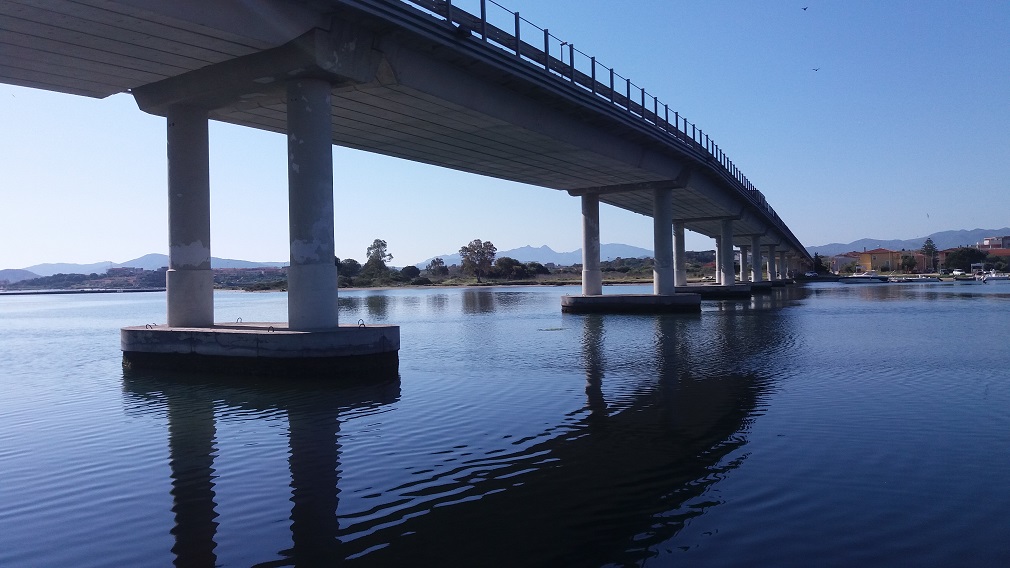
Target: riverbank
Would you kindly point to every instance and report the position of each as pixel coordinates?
(78, 291)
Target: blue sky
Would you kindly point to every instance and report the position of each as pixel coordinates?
(903, 131)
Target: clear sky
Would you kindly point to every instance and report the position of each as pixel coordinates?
(904, 130)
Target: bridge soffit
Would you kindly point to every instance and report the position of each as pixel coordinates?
(342, 55)
(682, 181)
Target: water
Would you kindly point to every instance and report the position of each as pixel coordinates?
(825, 425)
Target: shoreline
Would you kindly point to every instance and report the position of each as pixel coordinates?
(78, 291)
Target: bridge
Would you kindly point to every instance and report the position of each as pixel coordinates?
(421, 80)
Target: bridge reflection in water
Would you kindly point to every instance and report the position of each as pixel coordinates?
(618, 481)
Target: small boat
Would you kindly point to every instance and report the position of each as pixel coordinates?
(868, 277)
(913, 279)
(991, 276)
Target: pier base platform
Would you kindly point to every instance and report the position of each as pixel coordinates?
(763, 287)
(264, 348)
(718, 291)
(631, 304)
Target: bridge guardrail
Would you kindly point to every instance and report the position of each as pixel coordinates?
(509, 31)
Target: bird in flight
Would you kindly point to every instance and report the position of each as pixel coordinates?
(805, 8)
(817, 68)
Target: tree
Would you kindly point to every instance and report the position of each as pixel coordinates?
(349, 267)
(536, 268)
(908, 263)
(410, 271)
(511, 268)
(963, 258)
(998, 263)
(477, 257)
(819, 267)
(378, 251)
(437, 267)
(929, 251)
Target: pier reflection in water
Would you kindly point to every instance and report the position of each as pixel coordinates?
(668, 401)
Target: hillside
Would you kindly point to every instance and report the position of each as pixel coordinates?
(12, 275)
(152, 261)
(545, 254)
(942, 240)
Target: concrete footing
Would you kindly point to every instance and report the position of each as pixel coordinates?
(717, 291)
(763, 287)
(264, 348)
(631, 304)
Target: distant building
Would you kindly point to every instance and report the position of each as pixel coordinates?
(839, 262)
(884, 260)
(123, 271)
(989, 243)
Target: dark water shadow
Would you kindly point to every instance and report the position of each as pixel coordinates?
(625, 479)
(313, 409)
(479, 301)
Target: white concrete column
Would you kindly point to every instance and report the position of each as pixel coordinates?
(592, 277)
(755, 267)
(312, 276)
(772, 271)
(679, 255)
(783, 267)
(718, 259)
(728, 271)
(189, 281)
(743, 262)
(662, 236)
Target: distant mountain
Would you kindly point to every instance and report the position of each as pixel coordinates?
(942, 240)
(156, 261)
(49, 269)
(13, 275)
(152, 261)
(545, 254)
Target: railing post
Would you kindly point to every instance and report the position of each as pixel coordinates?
(592, 61)
(655, 109)
(666, 117)
(483, 20)
(547, 50)
(519, 44)
(448, 11)
(571, 62)
(627, 93)
(611, 84)
(643, 102)
(676, 120)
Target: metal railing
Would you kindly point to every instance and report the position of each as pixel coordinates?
(527, 42)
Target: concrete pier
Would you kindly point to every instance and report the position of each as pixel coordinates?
(756, 262)
(773, 273)
(592, 276)
(679, 255)
(744, 249)
(725, 251)
(263, 348)
(717, 291)
(311, 343)
(631, 304)
(662, 217)
(189, 280)
(312, 276)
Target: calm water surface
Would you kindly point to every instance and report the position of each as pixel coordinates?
(824, 425)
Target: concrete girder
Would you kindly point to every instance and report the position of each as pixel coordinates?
(330, 55)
